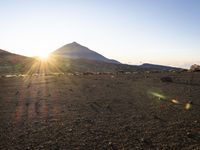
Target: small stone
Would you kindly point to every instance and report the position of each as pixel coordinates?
(17, 93)
(188, 133)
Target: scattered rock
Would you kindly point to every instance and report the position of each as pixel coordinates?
(166, 79)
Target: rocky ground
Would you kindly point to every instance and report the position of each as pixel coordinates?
(133, 111)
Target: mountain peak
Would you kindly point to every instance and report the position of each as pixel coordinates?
(75, 43)
(76, 51)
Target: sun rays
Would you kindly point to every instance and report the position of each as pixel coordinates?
(43, 65)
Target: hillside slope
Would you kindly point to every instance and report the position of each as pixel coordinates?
(12, 63)
(77, 51)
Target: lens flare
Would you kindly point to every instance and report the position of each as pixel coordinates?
(175, 101)
(158, 95)
(188, 106)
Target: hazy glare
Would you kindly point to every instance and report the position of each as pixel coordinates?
(135, 31)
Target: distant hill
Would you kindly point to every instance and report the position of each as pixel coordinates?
(9, 60)
(70, 58)
(77, 51)
(12, 63)
(158, 67)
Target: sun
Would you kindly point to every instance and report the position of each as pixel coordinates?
(43, 55)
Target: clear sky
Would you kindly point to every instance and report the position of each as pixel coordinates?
(131, 31)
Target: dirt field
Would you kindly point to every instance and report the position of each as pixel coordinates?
(100, 112)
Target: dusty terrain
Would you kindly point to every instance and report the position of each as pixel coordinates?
(100, 112)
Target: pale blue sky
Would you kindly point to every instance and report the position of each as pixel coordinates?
(131, 31)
